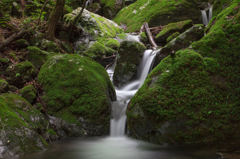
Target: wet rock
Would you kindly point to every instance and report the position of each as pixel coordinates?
(20, 125)
(130, 55)
(182, 41)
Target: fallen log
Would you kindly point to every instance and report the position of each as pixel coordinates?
(149, 34)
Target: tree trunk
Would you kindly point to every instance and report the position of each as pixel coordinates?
(54, 17)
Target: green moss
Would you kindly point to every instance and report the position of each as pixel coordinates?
(172, 28)
(109, 3)
(18, 121)
(97, 51)
(3, 85)
(4, 60)
(29, 93)
(21, 73)
(181, 90)
(37, 56)
(156, 12)
(193, 98)
(21, 43)
(222, 44)
(173, 36)
(82, 90)
(122, 36)
(113, 44)
(49, 46)
(143, 37)
(95, 25)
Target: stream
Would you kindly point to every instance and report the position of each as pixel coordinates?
(118, 145)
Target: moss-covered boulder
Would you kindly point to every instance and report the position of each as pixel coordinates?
(20, 125)
(93, 25)
(113, 44)
(20, 73)
(181, 103)
(29, 93)
(193, 98)
(130, 55)
(182, 41)
(37, 56)
(77, 90)
(3, 85)
(99, 52)
(161, 37)
(157, 12)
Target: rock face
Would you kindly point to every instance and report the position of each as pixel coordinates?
(157, 12)
(130, 55)
(182, 41)
(79, 91)
(192, 97)
(20, 125)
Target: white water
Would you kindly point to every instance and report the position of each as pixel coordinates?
(124, 94)
(206, 18)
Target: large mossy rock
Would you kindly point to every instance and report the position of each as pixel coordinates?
(181, 103)
(130, 55)
(79, 91)
(193, 98)
(94, 25)
(20, 125)
(99, 52)
(182, 41)
(157, 12)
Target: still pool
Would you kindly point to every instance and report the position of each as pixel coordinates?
(117, 148)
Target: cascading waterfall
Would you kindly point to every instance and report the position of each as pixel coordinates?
(124, 94)
(206, 18)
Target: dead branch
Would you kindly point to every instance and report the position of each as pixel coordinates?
(149, 34)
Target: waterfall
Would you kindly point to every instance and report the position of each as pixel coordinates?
(206, 19)
(124, 95)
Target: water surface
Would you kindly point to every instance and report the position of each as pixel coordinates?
(117, 148)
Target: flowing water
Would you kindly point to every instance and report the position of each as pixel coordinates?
(206, 18)
(124, 94)
(117, 145)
